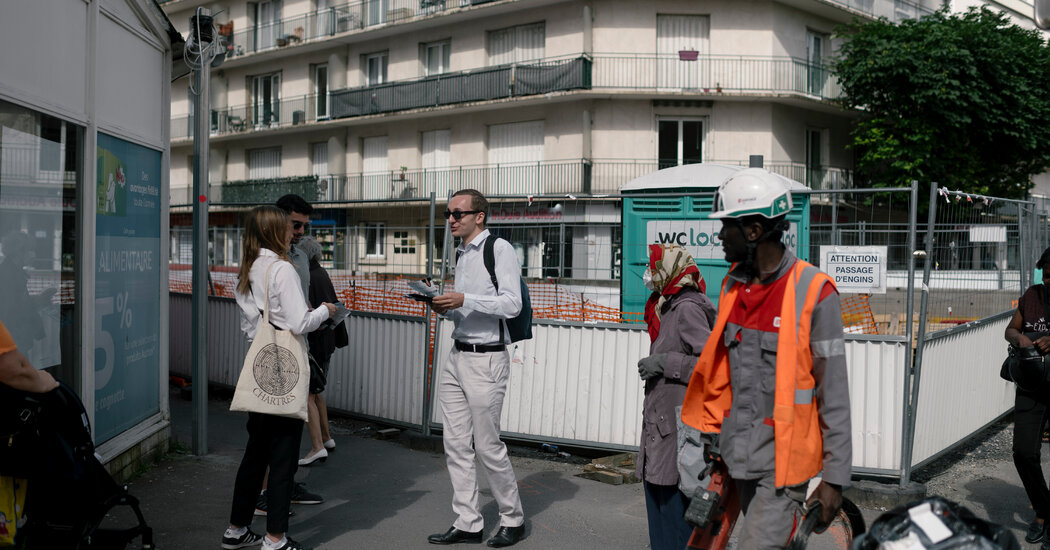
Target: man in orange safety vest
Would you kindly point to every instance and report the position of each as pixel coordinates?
(772, 389)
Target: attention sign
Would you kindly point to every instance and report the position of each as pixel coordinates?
(855, 269)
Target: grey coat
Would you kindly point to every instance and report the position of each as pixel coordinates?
(685, 323)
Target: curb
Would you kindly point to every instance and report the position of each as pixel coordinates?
(874, 495)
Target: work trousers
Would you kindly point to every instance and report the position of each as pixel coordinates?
(471, 394)
(665, 506)
(770, 514)
(1029, 418)
(272, 441)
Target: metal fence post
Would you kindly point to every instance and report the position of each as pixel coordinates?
(428, 364)
(916, 371)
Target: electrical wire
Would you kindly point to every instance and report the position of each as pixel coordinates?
(198, 55)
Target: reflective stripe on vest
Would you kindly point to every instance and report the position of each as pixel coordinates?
(796, 427)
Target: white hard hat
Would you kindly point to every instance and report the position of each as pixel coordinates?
(752, 191)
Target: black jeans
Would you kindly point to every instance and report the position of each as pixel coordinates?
(1029, 419)
(272, 441)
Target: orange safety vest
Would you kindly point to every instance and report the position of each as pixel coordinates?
(799, 444)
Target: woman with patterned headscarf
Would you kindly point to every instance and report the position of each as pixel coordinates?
(679, 316)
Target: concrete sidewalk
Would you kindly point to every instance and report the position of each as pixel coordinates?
(381, 494)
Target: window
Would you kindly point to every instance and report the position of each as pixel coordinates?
(815, 155)
(374, 239)
(266, 99)
(264, 164)
(375, 68)
(680, 141)
(376, 10)
(40, 168)
(436, 148)
(682, 33)
(435, 57)
(816, 50)
(267, 16)
(319, 164)
(515, 153)
(403, 243)
(376, 175)
(516, 44)
(321, 90)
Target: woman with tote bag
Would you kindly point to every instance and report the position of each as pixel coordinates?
(271, 300)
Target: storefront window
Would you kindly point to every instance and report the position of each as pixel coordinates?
(40, 160)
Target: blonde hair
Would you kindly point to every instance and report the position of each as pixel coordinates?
(267, 227)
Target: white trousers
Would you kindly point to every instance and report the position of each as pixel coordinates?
(471, 392)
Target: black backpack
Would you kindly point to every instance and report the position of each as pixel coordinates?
(519, 327)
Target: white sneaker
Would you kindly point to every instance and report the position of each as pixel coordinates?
(330, 444)
(308, 460)
(249, 538)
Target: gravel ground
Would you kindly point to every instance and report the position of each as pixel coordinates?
(991, 445)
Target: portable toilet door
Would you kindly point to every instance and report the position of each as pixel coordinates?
(674, 206)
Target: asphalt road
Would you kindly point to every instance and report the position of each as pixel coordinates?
(380, 494)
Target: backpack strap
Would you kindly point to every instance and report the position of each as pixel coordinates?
(490, 264)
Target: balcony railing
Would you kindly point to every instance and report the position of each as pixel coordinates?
(321, 24)
(715, 74)
(555, 177)
(706, 75)
(523, 79)
(894, 10)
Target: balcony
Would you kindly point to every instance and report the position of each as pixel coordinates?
(328, 22)
(523, 79)
(555, 177)
(706, 77)
(504, 81)
(715, 75)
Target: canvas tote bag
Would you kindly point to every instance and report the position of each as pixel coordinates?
(275, 377)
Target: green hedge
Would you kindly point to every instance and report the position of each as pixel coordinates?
(269, 190)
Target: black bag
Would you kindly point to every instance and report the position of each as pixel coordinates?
(341, 338)
(964, 529)
(1025, 366)
(21, 431)
(519, 327)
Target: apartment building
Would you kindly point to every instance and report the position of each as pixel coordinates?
(389, 101)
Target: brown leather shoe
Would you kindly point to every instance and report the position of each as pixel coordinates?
(453, 536)
(507, 536)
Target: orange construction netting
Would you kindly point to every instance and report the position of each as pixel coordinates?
(386, 294)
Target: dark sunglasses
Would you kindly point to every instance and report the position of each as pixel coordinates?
(460, 213)
(300, 225)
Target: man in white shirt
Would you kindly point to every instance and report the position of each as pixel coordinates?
(474, 381)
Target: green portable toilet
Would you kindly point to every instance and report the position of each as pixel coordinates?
(649, 218)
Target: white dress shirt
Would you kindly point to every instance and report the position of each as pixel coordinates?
(288, 309)
(478, 320)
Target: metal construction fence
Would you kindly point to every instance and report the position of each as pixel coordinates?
(910, 360)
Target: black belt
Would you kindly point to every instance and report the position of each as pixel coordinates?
(480, 348)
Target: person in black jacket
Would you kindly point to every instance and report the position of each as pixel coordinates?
(322, 345)
(1028, 328)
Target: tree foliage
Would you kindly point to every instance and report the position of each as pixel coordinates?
(958, 99)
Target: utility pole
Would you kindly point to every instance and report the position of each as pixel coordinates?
(201, 52)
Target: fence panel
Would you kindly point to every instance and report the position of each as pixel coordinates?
(380, 374)
(960, 391)
(876, 381)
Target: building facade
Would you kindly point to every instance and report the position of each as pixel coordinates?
(392, 100)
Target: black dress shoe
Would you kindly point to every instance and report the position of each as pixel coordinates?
(453, 535)
(1036, 531)
(507, 536)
